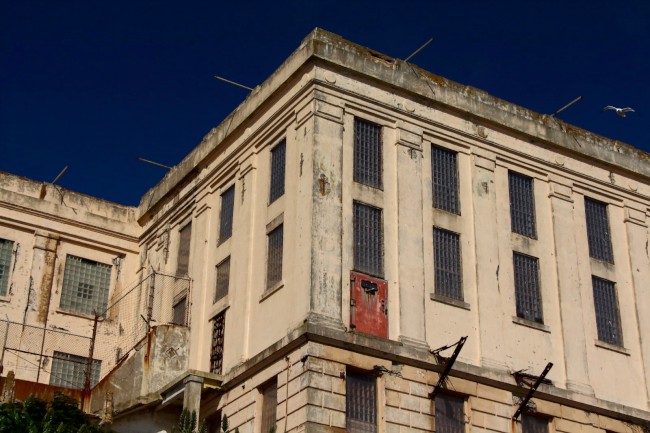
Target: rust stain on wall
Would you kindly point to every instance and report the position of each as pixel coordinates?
(45, 288)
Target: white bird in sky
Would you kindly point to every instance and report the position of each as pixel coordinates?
(620, 111)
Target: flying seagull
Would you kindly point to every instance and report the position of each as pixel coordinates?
(620, 111)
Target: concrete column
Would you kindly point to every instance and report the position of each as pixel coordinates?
(192, 394)
(42, 274)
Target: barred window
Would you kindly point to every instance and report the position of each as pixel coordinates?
(522, 205)
(183, 261)
(533, 424)
(223, 279)
(527, 290)
(278, 157)
(447, 264)
(6, 250)
(69, 371)
(269, 407)
(367, 153)
(444, 177)
(274, 256)
(179, 310)
(360, 403)
(368, 239)
(608, 319)
(598, 234)
(227, 207)
(85, 286)
(450, 414)
(216, 351)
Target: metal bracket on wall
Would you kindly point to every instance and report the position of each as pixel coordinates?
(532, 390)
(449, 362)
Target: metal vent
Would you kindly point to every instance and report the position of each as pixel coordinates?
(278, 157)
(527, 292)
(6, 250)
(216, 351)
(360, 403)
(367, 153)
(444, 176)
(183, 261)
(86, 285)
(368, 240)
(598, 234)
(450, 414)
(227, 207)
(522, 204)
(274, 256)
(447, 264)
(608, 319)
(223, 279)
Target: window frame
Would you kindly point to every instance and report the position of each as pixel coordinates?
(528, 416)
(7, 254)
(599, 237)
(368, 170)
(217, 343)
(439, 415)
(442, 265)
(451, 184)
(221, 291)
(277, 171)
(182, 268)
(268, 411)
(523, 214)
(601, 327)
(226, 220)
(374, 266)
(274, 262)
(371, 402)
(524, 291)
(70, 288)
(66, 360)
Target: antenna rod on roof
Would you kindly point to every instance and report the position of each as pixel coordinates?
(60, 174)
(426, 44)
(566, 106)
(153, 163)
(233, 83)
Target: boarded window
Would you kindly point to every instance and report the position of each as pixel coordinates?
(360, 403)
(522, 205)
(447, 264)
(274, 256)
(183, 263)
(269, 407)
(179, 310)
(533, 424)
(444, 177)
(69, 371)
(227, 207)
(607, 315)
(216, 351)
(598, 235)
(450, 414)
(6, 250)
(527, 290)
(367, 153)
(278, 157)
(223, 279)
(368, 240)
(85, 286)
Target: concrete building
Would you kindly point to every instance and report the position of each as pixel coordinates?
(315, 261)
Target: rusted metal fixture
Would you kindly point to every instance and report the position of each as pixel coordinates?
(449, 362)
(532, 390)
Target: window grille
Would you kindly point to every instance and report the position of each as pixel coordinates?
(598, 235)
(527, 290)
(183, 262)
(368, 240)
(69, 371)
(269, 407)
(85, 286)
(533, 424)
(444, 177)
(274, 256)
(367, 153)
(227, 207)
(522, 205)
(216, 352)
(179, 310)
(608, 319)
(6, 250)
(278, 157)
(223, 279)
(447, 264)
(360, 403)
(450, 414)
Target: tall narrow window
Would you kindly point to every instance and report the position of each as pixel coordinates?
(368, 239)
(450, 414)
(269, 407)
(278, 157)
(360, 403)
(274, 256)
(527, 292)
(179, 309)
(444, 178)
(69, 371)
(227, 207)
(598, 235)
(607, 315)
(522, 205)
(6, 250)
(223, 279)
(367, 153)
(533, 424)
(183, 261)
(447, 264)
(216, 351)
(85, 286)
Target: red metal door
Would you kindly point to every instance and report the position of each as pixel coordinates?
(369, 305)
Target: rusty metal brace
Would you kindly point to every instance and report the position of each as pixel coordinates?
(532, 390)
(449, 362)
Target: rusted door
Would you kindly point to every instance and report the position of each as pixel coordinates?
(369, 305)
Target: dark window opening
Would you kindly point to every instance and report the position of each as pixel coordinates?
(598, 234)
(183, 261)
(274, 256)
(447, 264)
(226, 217)
(450, 414)
(6, 251)
(278, 158)
(368, 240)
(367, 153)
(269, 407)
(608, 319)
(360, 403)
(522, 205)
(223, 279)
(527, 290)
(216, 350)
(444, 177)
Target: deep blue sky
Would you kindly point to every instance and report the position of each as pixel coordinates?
(93, 84)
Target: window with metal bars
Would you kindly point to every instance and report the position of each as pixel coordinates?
(69, 371)
(522, 205)
(527, 290)
(269, 407)
(85, 287)
(183, 261)
(367, 153)
(444, 178)
(608, 319)
(450, 414)
(216, 351)
(223, 279)
(274, 256)
(360, 403)
(447, 264)
(598, 234)
(368, 239)
(227, 207)
(6, 251)
(533, 424)
(179, 310)
(278, 158)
